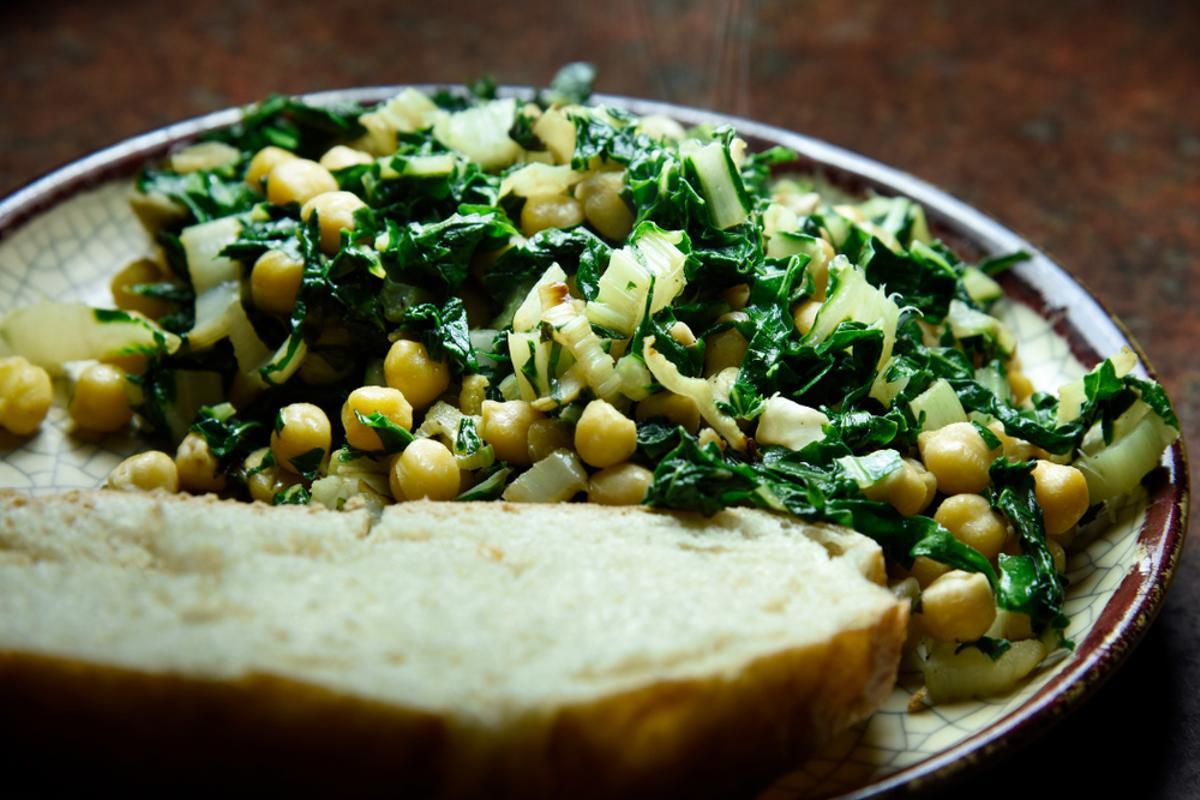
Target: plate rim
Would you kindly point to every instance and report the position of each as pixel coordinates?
(1088, 323)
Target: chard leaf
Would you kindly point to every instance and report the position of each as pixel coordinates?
(444, 332)
(392, 436)
(292, 496)
(308, 465)
(1029, 582)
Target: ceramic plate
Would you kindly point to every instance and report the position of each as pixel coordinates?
(64, 235)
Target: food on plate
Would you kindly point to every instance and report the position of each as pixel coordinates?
(467, 297)
(441, 648)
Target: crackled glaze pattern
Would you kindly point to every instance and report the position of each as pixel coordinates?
(71, 251)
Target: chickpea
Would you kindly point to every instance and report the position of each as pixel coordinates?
(550, 211)
(1062, 493)
(1015, 448)
(198, 469)
(675, 408)
(298, 180)
(973, 522)
(266, 482)
(263, 162)
(300, 429)
(505, 426)
(958, 607)
(958, 457)
(737, 296)
(620, 485)
(341, 157)
(472, 394)
(275, 282)
(909, 489)
(335, 213)
(25, 395)
(926, 570)
(804, 315)
(547, 435)
(145, 472)
(604, 436)
(367, 400)
(723, 350)
(603, 205)
(409, 368)
(1058, 553)
(144, 270)
(101, 401)
(425, 469)
(1021, 386)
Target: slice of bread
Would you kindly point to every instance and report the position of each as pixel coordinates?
(445, 649)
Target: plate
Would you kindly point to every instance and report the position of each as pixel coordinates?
(63, 236)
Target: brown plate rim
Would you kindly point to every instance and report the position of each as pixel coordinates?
(1088, 326)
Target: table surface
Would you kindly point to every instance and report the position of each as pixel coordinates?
(1076, 124)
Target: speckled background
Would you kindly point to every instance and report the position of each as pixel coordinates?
(1077, 124)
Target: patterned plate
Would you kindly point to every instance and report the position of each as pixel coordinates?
(64, 235)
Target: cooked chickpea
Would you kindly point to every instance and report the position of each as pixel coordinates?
(926, 570)
(367, 400)
(603, 205)
(145, 472)
(335, 213)
(409, 368)
(266, 482)
(101, 400)
(550, 211)
(275, 282)
(505, 426)
(973, 522)
(737, 296)
(804, 315)
(1014, 448)
(958, 457)
(25, 395)
(263, 162)
(1062, 493)
(604, 436)
(724, 350)
(909, 489)
(300, 429)
(472, 394)
(958, 606)
(1021, 386)
(425, 469)
(298, 180)
(675, 408)
(340, 157)
(144, 270)
(546, 436)
(1059, 554)
(620, 485)
(198, 469)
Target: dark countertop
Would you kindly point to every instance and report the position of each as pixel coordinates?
(1077, 124)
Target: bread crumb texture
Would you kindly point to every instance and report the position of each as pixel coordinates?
(455, 648)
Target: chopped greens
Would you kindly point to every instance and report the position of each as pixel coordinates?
(547, 255)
